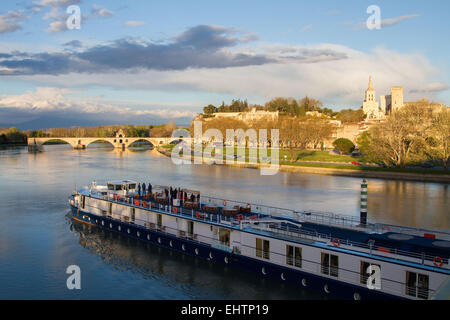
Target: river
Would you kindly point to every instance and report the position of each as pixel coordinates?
(38, 241)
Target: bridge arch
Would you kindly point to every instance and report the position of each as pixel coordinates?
(108, 141)
(70, 141)
(143, 139)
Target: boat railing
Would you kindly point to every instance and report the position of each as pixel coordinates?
(285, 230)
(329, 218)
(323, 217)
(438, 234)
(282, 228)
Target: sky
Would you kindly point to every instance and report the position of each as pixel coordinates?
(148, 62)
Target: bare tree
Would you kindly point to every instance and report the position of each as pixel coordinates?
(438, 143)
(402, 134)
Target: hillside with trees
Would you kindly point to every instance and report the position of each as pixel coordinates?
(285, 106)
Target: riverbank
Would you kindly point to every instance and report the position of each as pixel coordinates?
(342, 170)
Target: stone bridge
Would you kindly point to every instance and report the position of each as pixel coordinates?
(81, 143)
(119, 141)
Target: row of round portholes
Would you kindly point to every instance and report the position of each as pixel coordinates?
(183, 246)
(356, 295)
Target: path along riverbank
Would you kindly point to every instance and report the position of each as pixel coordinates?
(350, 172)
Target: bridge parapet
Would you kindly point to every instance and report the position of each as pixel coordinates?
(117, 142)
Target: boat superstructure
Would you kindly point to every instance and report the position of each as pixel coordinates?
(332, 253)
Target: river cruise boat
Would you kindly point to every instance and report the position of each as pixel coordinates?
(343, 256)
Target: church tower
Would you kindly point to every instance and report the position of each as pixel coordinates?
(370, 105)
(370, 92)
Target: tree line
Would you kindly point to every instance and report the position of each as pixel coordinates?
(15, 136)
(12, 136)
(295, 133)
(110, 131)
(287, 107)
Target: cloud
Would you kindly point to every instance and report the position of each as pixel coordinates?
(199, 47)
(339, 83)
(56, 3)
(388, 22)
(58, 19)
(55, 103)
(393, 21)
(98, 11)
(58, 15)
(11, 21)
(57, 26)
(134, 23)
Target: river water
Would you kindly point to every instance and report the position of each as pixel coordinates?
(38, 241)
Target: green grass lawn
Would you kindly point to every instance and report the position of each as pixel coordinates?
(301, 155)
(325, 156)
(318, 155)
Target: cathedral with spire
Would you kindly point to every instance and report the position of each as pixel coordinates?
(375, 110)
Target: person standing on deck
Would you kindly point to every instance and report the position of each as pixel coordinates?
(150, 189)
(139, 189)
(144, 189)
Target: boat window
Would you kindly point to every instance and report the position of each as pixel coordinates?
(259, 247)
(422, 287)
(334, 265)
(298, 257)
(330, 264)
(159, 220)
(224, 236)
(294, 256)
(290, 255)
(190, 229)
(118, 187)
(417, 285)
(266, 248)
(364, 275)
(110, 186)
(132, 186)
(262, 248)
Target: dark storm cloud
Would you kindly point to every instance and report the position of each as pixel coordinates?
(202, 46)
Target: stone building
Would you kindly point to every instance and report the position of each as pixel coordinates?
(252, 115)
(388, 103)
(371, 106)
(396, 98)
